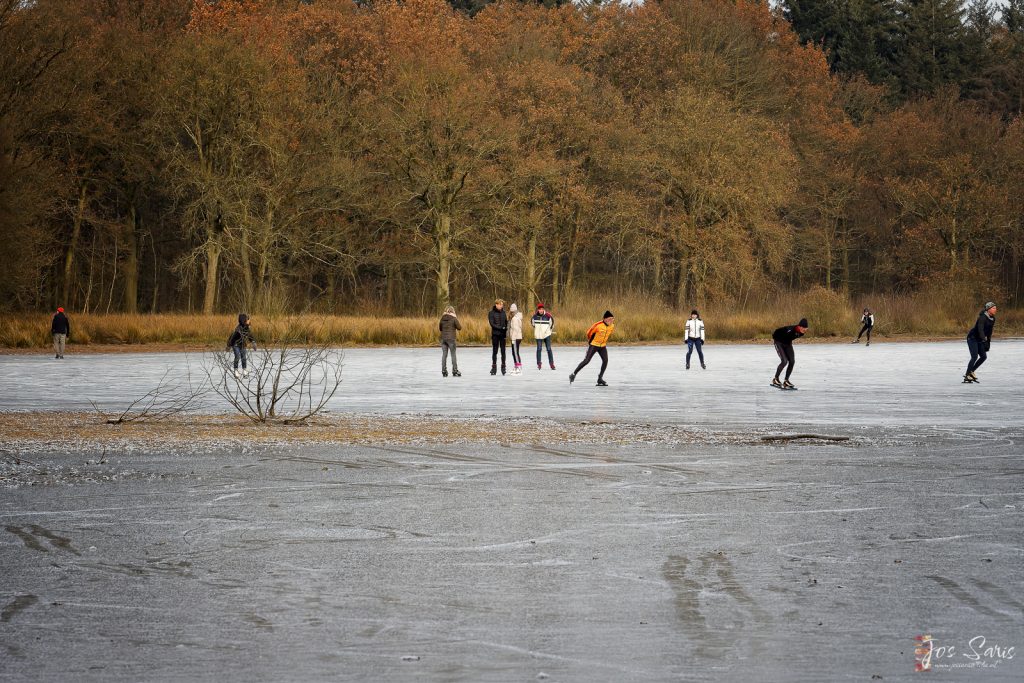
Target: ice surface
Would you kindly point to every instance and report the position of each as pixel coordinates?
(886, 384)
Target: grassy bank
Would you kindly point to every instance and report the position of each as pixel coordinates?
(638, 320)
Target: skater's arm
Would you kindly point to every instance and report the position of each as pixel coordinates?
(458, 325)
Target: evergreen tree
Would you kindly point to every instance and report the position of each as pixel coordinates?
(931, 50)
(978, 54)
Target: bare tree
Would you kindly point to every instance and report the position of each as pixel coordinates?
(292, 378)
(167, 399)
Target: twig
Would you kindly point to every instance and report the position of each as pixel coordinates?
(793, 437)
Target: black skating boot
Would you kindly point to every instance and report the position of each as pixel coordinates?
(494, 369)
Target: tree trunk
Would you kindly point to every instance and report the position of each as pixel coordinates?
(443, 243)
(556, 275)
(531, 271)
(212, 257)
(131, 263)
(69, 256)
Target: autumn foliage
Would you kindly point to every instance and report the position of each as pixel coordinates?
(391, 157)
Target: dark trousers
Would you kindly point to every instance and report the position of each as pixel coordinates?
(591, 350)
(978, 354)
(866, 328)
(787, 357)
(690, 344)
(239, 355)
(446, 346)
(542, 343)
(516, 358)
(497, 342)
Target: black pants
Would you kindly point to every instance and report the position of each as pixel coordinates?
(978, 354)
(591, 350)
(516, 358)
(785, 352)
(497, 342)
(866, 328)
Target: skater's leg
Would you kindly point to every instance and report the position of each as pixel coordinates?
(603, 352)
(516, 358)
(540, 345)
(243, 353)
(238, 355)
(502, 342)
(455, 362)
(586, 359)
(700, 350)
(551, 356)
(689, 351)
(869, 335)
(982, 356)
(791, 357)
(495, 340)
(782, 357)
(862, 330)
(444, 357)
(974, 348)
(63, 341)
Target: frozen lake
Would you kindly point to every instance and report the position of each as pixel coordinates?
(898, 384)
(802, 561)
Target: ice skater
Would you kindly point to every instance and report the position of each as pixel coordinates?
(515, 337)
(695, 338)
(979, 340)
(784, 338)
(60, 328)
(499, 330)
(449, 327)
(543, 327)
(867, 320)
(239, 341)
(597, 336)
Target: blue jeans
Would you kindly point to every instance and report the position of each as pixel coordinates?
(690, 343)
(541, 343)
(239, 355)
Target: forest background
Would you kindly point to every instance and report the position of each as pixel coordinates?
(165, 164)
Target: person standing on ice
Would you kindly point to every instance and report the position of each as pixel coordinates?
(515, 337)
(239, 340)
(499, 330)
(543, 327)
(597, 336)
(784, 338)
(979, 340)
(449, 327)
(868, 321)
(60, 328)
(695, 338)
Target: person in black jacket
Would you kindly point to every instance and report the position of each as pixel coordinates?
(979, 339)
(784, 338)
(60, 328)
(499, 331)
(239, 340)
(449, 327)
(867, 320)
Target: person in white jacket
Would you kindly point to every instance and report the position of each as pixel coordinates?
(543, 327)
(515, 336)
(695, 338)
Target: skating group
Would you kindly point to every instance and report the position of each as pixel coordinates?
(507, 330)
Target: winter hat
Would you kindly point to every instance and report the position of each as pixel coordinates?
(61, 310)
(802, 323)
(990, 304)
(243, 318)
(694, 312)
(541, 305)
(607, 314)
(513, 309)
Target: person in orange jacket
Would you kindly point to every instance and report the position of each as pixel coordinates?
(597, 335)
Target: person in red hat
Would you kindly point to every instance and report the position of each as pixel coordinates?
(60, 328)
(543, 327)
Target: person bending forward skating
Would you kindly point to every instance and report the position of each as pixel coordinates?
(543, 327)
(867, 323)
(597, 335)
(499, 330)
(784, 338)
(979, 340)
(449, 327)
(695, 338)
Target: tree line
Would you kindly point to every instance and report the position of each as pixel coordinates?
(272, 155)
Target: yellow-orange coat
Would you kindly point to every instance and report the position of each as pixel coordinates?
(599, 332)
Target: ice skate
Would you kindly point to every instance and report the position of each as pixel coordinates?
(444, 373)
(776, 383)
(494, 369)
(968, 380)
(572, 377)
(703, 367)
(788, 385)
(552, 366)
(540, 366)
(687, 366)
(456, 373)
(238, 373)
(602, 383)
(502, 369)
